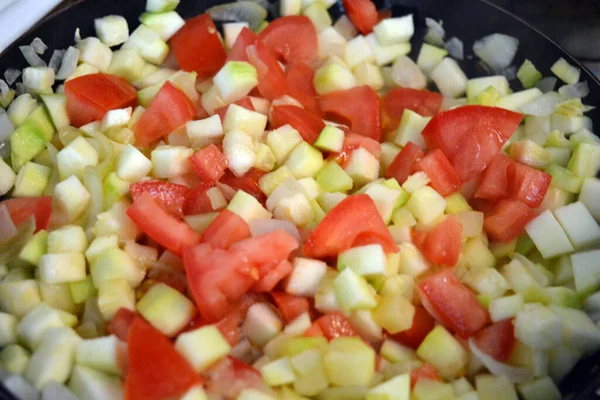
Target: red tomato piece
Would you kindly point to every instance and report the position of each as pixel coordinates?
(423, 323)
(384, 14)
(247, 182)
(268, 281)
(453, 303)
(308, 124)
(335, 325)
(120, 324)
(169, 110)
(198, 48)
(156, 369)
(471, 136)
(425, 371)
(497, 340)
(358, 106)
(423, 102)
(362, 13)
(22, 208)
(314, 330)
(245, 102)
(209, 163)
(266, 251)
(300, 81)
(230, 376)
(226, 229)
(508, 220)
(442, 244)
(353, 141)
(494, 182)
(238, 50)
(198, 201)
(353, 217)
(170, 196)
(527, 184)
(290, 306)
(230, 325)
(439, 170)
(161, 226)
(403, 163)
(293, 38)
(90, 97)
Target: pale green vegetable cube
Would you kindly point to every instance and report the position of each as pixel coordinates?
(113, 264)
(127, 64)
(410, 128)
(491, 387)
(565, 71)
(88, 383)
(112, 30)
(254, 394)
(278, 372)
(31, 180)
(353, 292)
(578, 329)
(506, 307)
(367, 260)
(318, 15)
(332, 178)
(282, 141)
(515, 101)
(362, 167)
(62, 268)
(549, 237)
(331, 138)
(368, 74)
(397, 388)
(71, 197)
(430, 57)
(395, 30)
(35, 248)
(412, 262)
(202, 347)
(19, 298)
(449, 78)
(304, 161)
(358, 50)
(305, 276)
(394, 313)
(104, 354)
(579, 225)
(395, 352)
(166, 309)
(113, 295)
(444, 352)
(68, 239)
(426, 389)
(133, 165)
(247, 207)
(262, 324)
(538, 328)
(14, 359)
(250, 122)
(77, 155)
(349, 361)
(8, 329)
(171, 161)
(426, 204)
(332, 77)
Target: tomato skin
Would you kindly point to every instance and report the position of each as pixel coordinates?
(245, 102)
(306, 123)
(156, 370)
(300, 79)
(439, 170)
(494, 181)
(90, 97)
(507, 221)
(170, 196)
(423, 102)
(423, 323)
(120, 324)
(293, 38)
(334, 325)
(290, 306)
(209, 163)
(453, 303)
(528, 184)
(425, 371)
(197, 201)
(360, 106)
(402, 166)
(22, 208)
(162, 227)
(226, 229)
(266, 251)
(169, 110)
(442, 245)
(353, 217)
(362, 13)
(497, 340)
(248, 183)
(198, 48)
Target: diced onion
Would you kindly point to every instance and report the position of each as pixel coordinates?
(6, 126)
(496, 50)
(513, 374)
(242, 11)
(510, 73)
(4, 89)
(435, 32)
(544, 105)
(11, 75)
(255, 60)
(93, 184)
(263, 226)
(9, 249)
(39, 46)
(68, 64)
(56, 59)
(576, 90)
(455, 48)
(8, 230)
(227, 190)
(31, 57)
(77, 36)
(546, 84)
(57, 391)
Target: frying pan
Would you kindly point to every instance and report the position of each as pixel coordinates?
(468, 20)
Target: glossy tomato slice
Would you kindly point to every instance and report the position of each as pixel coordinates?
(209, 163)
(22, 208)
(353, 217)
(121, 322)
(423, 102)
(198, 48)
(359, 107)
(527, 184)
(169, 196)
(268, 250)
(497, 340)
(293, 38)
(453, 303)
(290, 306)
(226, 229)
(334, 325)
(247, 182)
(404, 162)
(306, 123)
(494, 182)
(197, 201)
(441, 173)
(442, 244)
(507, 221)
(362, 13)
(423, 323)
(300, 81)
(272, 277)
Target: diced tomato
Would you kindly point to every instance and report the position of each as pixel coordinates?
(358, 106)
(90, 97)
(300, 81)
(120, 324)
(508, 220)
(334, 325)
(453, 303)
(290, 306)
(226, 229)
(197, 201)
(425, 371)
(230, 325)
(439, 170)
(268, 250)
(268, 281)
(172, 277)
(238, 50)
(169, 110)
(22, 208)
(353, 217)
(308, 124)
(293, 38)
(156, 369)
(352, 141)
(230, 376)
(198, 48)
(209, 163)
(497, 340)
(471, 136)
(170, 196)
(362, 13)
(161, 226)
(494, 181)
(248, 183)
(314, 330)
(245, 102)
(422, 324)
(384, 14)
(442, 244)
(404, 162)
(423, 102)
(527, 184)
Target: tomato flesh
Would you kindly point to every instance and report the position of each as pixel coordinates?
(226, 229)
(300, 79)
(494, 182)
(441, 173)
(293, 38)
(403, 164)
(334, 325)
(528, 185)
(497, 340)
(306, 123)
(362, 13)
(170, 196)
(209, 163)
(423, 102)
(507, 220)
(21, 209)
(290, 306)
(121, 322)
(442, 245)
(247, 182)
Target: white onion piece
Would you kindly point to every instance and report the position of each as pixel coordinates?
(31, 56)
(543, 105)
(406, 73)
(93, 184)
(576, 90)
(56, 60)
(263, 226)
(56, 391)
(428, 306)
(435, 32)
(227, 190)
(8, 230)
(11, 75)
(513, 374)
(547, 84)
(20, 388)
(455, 48)
(6, 126)
(77, 36)
(39, 46)
(21, 88)
(68, 64)
(510, 73)
(5, 149)
(242, 11)
(53, 153)
(496, 50)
